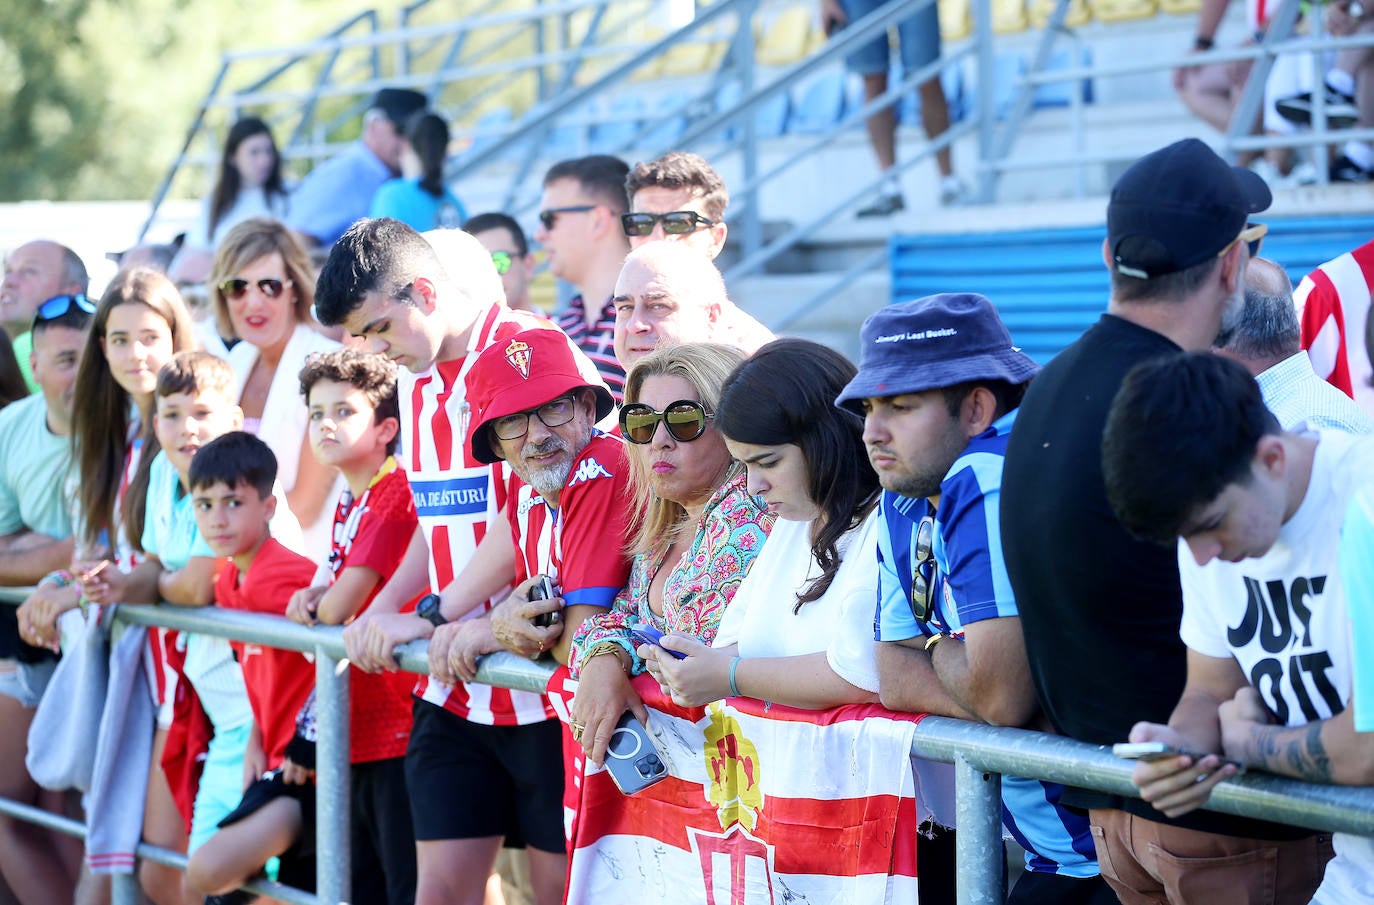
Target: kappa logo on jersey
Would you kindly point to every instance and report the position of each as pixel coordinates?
(588, 470)
(519, 355)
(526, 505)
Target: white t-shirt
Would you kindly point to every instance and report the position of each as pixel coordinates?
(840, 622)
(1283, 618)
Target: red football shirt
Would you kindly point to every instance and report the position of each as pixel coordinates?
(373, 532)
(278, 681)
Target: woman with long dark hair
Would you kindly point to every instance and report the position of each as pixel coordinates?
(799, 629)
(419, 198)
(248, 184)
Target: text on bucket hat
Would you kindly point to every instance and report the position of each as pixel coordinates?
(520, 374)
(933, 343)
(1177, 207)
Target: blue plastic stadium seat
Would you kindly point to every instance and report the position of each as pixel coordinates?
(909, 107)
(818, 104)
(1050, 284)
(622, 117)
(770, 117)
(485, 132)
(1060, 94)
(665, 135)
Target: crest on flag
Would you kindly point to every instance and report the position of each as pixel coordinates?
(518, 354)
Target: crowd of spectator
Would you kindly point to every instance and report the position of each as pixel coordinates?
(1142, 541)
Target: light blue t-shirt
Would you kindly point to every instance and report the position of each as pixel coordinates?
(404, 200)
(33, 469)
(1357, 571)
(169, 527)
(968, 583)
(336, 193)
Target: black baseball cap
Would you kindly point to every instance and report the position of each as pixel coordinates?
(1177, 207)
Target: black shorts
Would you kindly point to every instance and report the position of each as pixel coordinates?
(297, 863)
(383, 836)
(470, 781)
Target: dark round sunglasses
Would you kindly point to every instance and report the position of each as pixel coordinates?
(237, 288)
(675, 223)
(59, 305)
(923, 565)
(685, 420)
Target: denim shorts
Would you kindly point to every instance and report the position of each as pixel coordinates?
(919, 38)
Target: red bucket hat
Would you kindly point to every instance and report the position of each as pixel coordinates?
(520, 374)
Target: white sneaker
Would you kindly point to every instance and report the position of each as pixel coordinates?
(953, 192)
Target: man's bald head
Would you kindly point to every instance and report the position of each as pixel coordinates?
(35, 272)
(1268, 331)
(667, 294)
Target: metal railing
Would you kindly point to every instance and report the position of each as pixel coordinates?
(980, 754)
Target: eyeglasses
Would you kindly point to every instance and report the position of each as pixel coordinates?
(922, 570)
(675, 223)
(237, 288)
(503, 261)
(59, 305)
(1253, 236)
(550, 217)
(685, 420)
(553, 414)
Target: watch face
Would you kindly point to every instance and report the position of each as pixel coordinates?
(428, 607)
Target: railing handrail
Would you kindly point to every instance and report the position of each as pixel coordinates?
(1015, 752)
(980, 754)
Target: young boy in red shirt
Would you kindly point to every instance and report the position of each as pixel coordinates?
(231, 481)
(354, 421)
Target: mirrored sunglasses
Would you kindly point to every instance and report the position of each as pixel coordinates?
(502, 260)
(685, 420)
(675, 223)
(59, 305)
(237, 288)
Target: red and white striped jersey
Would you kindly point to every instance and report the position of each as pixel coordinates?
(458, 499)
(581, 544)
(1333, 305)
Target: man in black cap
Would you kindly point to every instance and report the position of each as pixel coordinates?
(339, 191)
(1101, 608)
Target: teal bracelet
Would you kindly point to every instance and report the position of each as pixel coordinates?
(734, 689)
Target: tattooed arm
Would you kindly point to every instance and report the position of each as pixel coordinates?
(1329, 750)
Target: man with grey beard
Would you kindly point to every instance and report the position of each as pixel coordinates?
(1100, 608)
(1267, 341)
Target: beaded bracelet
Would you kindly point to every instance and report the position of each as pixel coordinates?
(60, 578)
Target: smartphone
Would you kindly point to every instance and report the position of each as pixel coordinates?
(543, 590)
(632, 758)
(1149, 751)
(647, 634)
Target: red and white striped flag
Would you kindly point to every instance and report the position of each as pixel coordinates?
(763, 804)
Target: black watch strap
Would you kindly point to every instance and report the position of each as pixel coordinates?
(428, 609)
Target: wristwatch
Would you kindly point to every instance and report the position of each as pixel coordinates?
(428, 608)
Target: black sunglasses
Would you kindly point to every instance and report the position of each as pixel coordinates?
(550, 217)
(922, 569)
(59, 305)
(237, 288)
(675, 223)
(684, 419)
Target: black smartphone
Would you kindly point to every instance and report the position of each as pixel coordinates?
(543, 590)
